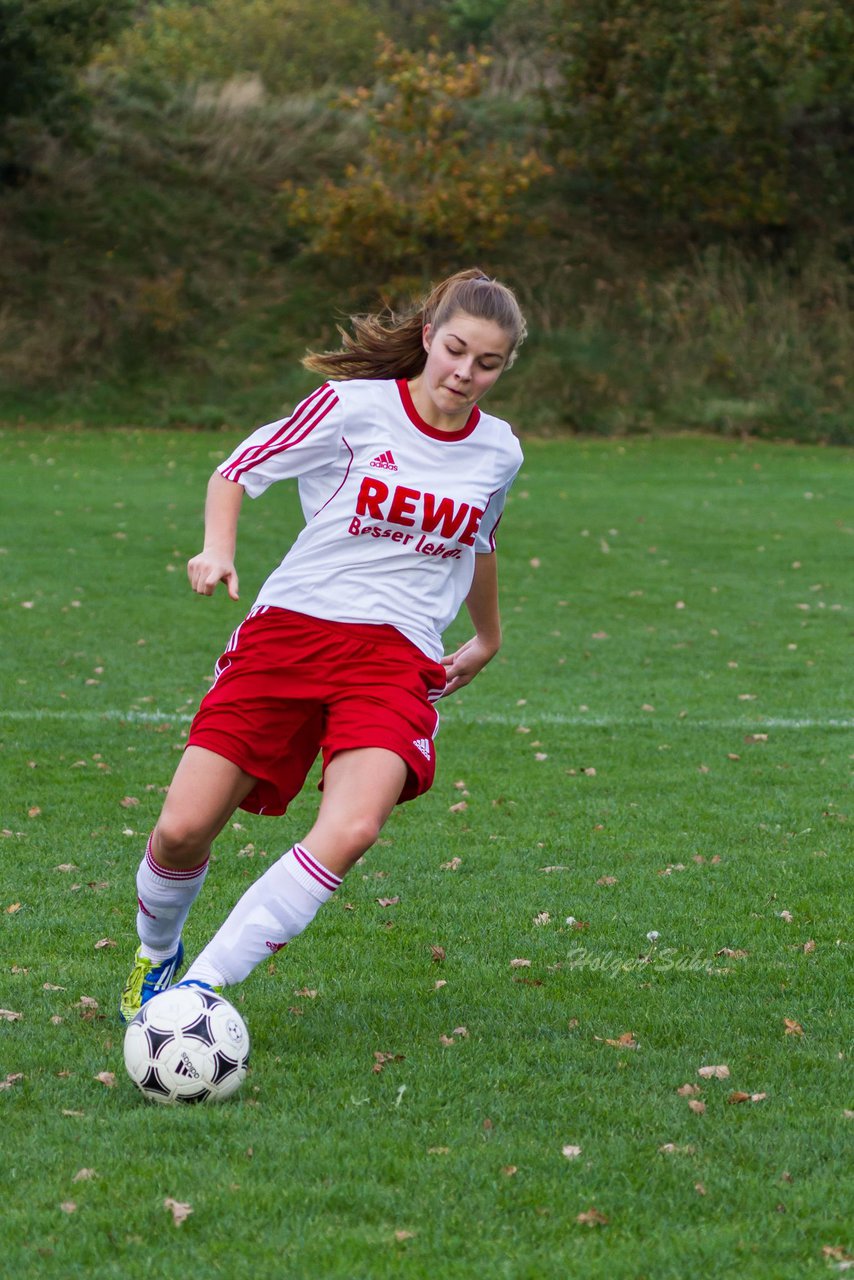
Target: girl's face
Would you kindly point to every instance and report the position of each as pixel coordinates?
(465, 356)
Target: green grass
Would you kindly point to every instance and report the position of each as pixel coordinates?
(320, 1161)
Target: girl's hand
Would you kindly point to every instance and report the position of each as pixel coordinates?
(207, 569)
(462, 666)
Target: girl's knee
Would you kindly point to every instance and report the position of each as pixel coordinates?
(178, 841)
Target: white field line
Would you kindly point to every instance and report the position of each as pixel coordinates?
(70, 715)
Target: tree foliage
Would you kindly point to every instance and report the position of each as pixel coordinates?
(427, 188)
(722, 116)
(43, 44)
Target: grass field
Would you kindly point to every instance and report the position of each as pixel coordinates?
(664, 745)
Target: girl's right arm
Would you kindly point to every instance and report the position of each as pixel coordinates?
(215, 563)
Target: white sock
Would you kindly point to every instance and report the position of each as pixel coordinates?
(164, 897)
(276, 908)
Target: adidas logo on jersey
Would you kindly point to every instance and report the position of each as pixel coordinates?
(385, 461)
(423, 745)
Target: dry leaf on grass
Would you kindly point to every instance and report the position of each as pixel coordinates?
(671, 1149)
(714, 1073)
(739, 1096)
(68, 1206)
(83, 1175)
(696, 1106)
(437, 954)
(105, 942)
(571, 1152)
(688, 1090)
(625, 1041)
(11, 1079)
(509, 1169)
(792, 1028)
(9, 1015)
(520, 964)
(388, 902)
(592, 1218)
(180, 1212)
(400, 1236)
(106, 1077)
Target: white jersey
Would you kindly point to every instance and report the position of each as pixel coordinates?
(395, 510)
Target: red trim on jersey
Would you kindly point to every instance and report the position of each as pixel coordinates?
(306, 417)
(343, 482)
(433, 432)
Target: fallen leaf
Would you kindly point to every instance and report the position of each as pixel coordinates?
(508, 1170)
(447, 1041)
(68, 1206)
(792, 1028)
(66, 866)
(437, 954)
(73, 1113)
(387, 902)
(787, 916)
(688, 1090)
(438, 1151)
(129, 802)
(453, 865)
(714, 1073)
(308, 992)
(460, 1031)
(571, 1153)
(732, 954)
(11, 1079)
(106, 1077)
(10, 911)
(671, 1149)
(607, 880)
(9, 1015)
(625, 1041)
(808, 947)
(105, 942)
(520, 964)
(440, 982)
(51, 986)
(699, 1188)
(86, 1002)
(400, 1236)
(592, 1218)
(696, 1106)
(83, 1175)
(180, 1212)
(542, 918)
(459, 807)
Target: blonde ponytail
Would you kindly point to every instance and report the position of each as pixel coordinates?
(387, 345)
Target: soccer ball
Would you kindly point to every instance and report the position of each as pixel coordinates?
(187, 1045)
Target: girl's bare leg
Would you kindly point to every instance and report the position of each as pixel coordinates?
(360, 789)
(205, 792)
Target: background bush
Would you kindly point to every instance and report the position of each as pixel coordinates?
(668, 187)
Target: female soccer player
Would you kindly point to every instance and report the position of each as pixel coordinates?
(402, 481)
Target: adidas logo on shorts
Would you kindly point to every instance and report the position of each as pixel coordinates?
(385, 461)
(423, 745)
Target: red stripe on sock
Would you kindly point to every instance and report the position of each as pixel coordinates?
(167, 873)
(327, 878)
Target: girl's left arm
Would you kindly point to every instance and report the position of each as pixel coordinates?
(462, 666)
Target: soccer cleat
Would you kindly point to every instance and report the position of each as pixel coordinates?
(196, 982)
(146, 979)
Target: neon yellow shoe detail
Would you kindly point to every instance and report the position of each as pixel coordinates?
(146, 979)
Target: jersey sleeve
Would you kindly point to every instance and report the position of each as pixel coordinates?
(484, 541)
(310, 438)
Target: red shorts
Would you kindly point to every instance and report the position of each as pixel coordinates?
(289, 686)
